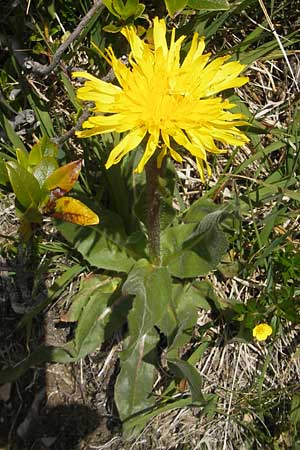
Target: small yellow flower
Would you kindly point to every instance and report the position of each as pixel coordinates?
(262, 331)
(164, 100)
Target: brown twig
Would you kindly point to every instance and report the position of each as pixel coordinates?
(44, 69)
(61, 139)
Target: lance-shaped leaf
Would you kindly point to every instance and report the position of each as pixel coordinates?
(24, 184)
(191, 250)
(93, 313)
(152, 289)
(72, 210)
(135, 381)
(64, 177)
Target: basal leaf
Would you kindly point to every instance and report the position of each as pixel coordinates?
(192, 250)
(72, 210)
(24, 184)
(151, 287)
(178, 321)
(79, 301)
(64, 177)
(103, 246)
(183, 369)
(134, 383)
(94, 316)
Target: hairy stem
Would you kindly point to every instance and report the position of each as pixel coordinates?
(153, 210)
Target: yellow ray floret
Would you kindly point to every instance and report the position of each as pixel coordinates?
(164, 101)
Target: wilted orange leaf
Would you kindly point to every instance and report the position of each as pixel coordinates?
(72, 210)
(64, 177)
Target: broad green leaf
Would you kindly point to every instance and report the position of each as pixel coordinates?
(44, 169)
(3, 173)
(43, 148)
(130, 8)
(173, 6)
(24, 184)
(179, 319)
(101, 247)
(64, 177)
(89, 285)
(74, 211)
(190, 250)
(199, 209)
(134, 383)
(183, 369)
(152, 289)
(22, 157)
(95, 315)
(209, 5)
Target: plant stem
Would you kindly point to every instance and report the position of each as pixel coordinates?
(153, 210)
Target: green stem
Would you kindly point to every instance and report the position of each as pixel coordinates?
(153, 210)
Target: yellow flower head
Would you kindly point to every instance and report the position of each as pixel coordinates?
(164, 100)
(262, 331)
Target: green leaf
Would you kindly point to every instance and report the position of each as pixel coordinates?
(152, 289)
(42, 115)
(3, 173)
(190, 251)
(209, 5)
(24, 184)
(135, 380)
(295, 410)
(199, 209)
(173, 6)
(183, 369)
(111, 28)
(180, 318)
(11, 134)
(44, 169)
(93, 317)
(130, 9)
(43, 148)
(22, 157)
(101, 245)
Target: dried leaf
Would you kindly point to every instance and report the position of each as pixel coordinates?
(72, 210)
